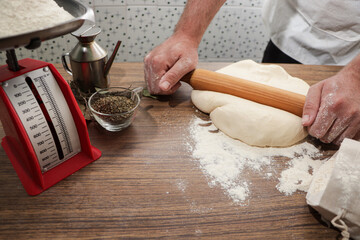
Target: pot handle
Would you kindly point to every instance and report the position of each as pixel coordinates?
(64, 63)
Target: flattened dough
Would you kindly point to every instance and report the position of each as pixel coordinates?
(251, 122)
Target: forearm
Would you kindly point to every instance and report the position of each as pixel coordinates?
(196, 18)
(352, 69)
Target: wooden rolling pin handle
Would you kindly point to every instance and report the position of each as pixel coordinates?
(201, 79)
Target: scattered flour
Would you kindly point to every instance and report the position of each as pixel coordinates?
(299, 175)
(224, 161)
(181, 185)
(19, 16)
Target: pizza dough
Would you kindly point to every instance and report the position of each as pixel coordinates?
(253, 123)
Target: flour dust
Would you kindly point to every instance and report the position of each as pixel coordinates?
(225, 161)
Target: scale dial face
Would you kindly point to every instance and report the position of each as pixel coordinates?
(45, 115)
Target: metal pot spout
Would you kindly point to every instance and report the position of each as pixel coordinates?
(111, 59)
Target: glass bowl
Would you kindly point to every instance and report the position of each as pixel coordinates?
(114, 108)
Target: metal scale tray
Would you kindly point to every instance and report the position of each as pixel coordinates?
(32, 40)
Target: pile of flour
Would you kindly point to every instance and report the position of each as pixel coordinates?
(19, 16)
(223, 160)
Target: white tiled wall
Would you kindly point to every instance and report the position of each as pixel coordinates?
(235, 33)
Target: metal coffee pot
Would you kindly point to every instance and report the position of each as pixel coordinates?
(88, 60)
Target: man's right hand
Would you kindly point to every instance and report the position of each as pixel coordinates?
(165, 65)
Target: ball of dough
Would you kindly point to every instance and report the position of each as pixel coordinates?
(253, 123)
(250, 122)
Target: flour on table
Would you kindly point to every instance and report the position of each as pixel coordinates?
(181, 185)
(19, 16)
(299, 175)
(224, 161)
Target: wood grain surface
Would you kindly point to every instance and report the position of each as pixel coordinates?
(147, 185)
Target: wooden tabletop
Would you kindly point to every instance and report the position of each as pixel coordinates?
(146, 185)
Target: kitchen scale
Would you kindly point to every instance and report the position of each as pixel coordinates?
(46, 134)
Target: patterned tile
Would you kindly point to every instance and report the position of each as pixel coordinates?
(109, 3)
(21, 53)
(237, 31)
(52, 50)
(141, 2)
(147, 27)
(87, 2)
(244, 3)
(112, 22)
(171, 3)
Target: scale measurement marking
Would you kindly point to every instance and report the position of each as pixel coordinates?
(49, 124)
(57, 114)
(45, 115)
(29, 111)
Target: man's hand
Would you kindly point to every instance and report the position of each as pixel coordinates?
(332, 108)
(168, 63)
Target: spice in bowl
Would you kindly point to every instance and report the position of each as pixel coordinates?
(114, 108)
(114, 104)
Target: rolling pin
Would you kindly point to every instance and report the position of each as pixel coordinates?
(201, 79)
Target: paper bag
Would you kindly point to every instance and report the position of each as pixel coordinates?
(335, 190)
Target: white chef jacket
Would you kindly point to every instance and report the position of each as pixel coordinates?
(315, 31)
